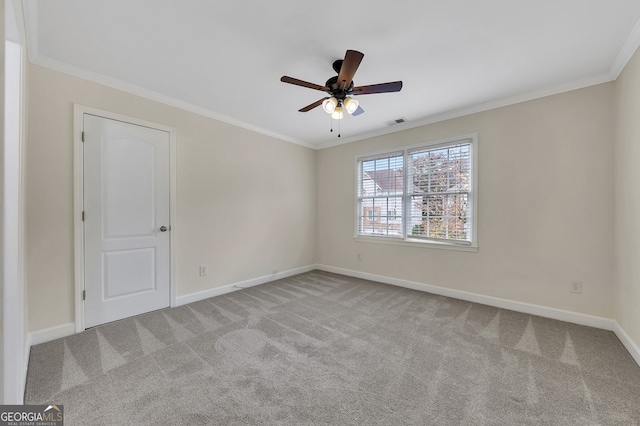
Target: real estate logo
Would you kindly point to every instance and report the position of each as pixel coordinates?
(31, 415)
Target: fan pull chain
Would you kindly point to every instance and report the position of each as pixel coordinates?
(338, 127)
(331, 124)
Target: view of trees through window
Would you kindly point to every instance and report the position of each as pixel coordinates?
(439, 197)
(436, 199)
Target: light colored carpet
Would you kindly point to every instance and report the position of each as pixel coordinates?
(325, 349)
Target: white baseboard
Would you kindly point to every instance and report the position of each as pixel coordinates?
(201, 295)
(527, 308)
(48, 334)
(64, 330)
(627, 341)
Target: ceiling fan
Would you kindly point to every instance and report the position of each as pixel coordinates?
(341, 88)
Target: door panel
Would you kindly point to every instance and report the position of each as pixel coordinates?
(129, 188)
(126, 195)
(128, 272)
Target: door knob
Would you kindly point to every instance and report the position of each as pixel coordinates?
(163, 229)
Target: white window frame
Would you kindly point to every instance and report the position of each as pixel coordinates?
(405, 239)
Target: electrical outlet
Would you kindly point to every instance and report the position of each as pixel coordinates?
(576, 287)
(359, 257)
(203, 271)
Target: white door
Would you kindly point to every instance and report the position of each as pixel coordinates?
(126, 226)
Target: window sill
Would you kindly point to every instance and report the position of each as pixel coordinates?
(416, 243)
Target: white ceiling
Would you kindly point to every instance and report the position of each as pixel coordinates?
(225, 59)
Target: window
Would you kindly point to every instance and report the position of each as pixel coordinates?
(420, 194)
(381, 183)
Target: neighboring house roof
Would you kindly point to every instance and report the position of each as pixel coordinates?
(387, 180)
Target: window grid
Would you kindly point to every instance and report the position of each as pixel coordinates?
(429, 199)
(380, 191)
(439, 188)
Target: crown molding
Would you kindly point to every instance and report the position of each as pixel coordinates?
(30, 14)
(622, 59)
(486, 106)
(157, 97)
(22, 28)
(30, 9)
(626, 52)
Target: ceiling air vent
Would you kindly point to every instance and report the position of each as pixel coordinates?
(396, 121)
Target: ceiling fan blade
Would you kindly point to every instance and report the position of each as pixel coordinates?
(358, 111)
(395, 86)
(349, 67)
(313, 105)
(302, 83)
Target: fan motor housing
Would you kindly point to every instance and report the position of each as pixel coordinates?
(334, 87)
(337, 65)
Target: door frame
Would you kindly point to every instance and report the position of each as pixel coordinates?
(15, 340)
(78, 201)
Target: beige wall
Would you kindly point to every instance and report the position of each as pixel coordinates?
(545, 205)
(627, 196)
(246, 203)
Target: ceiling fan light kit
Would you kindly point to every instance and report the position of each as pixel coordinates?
(341, 88)
(336, 108)
(337, 114)
(329, 105)
(351, 105)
